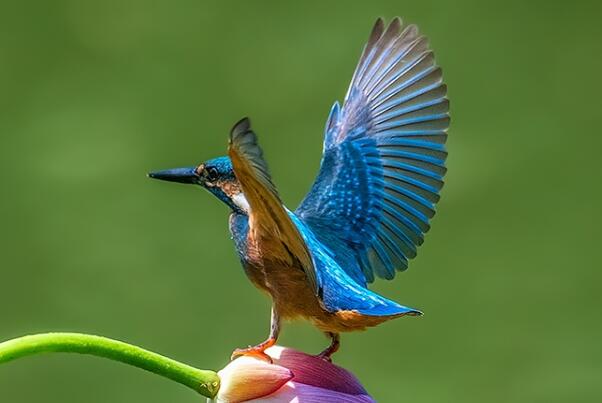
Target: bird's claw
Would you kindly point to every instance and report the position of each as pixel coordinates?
(325, 356)
(254, 351)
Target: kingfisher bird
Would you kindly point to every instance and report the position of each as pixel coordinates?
(381, 172)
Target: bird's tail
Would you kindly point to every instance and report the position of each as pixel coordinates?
(381, 306)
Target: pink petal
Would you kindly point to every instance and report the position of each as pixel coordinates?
(248, 378)
(314, 371)
(293, 392)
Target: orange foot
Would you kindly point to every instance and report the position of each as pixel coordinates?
(255, 351)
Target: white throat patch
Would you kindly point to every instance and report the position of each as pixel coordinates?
(241, 201)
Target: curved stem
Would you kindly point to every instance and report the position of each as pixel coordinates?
(202, 381)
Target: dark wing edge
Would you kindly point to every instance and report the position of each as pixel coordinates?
(384, 156)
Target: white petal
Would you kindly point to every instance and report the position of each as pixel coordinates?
(248, 378)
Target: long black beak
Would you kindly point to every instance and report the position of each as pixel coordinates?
(180, 175)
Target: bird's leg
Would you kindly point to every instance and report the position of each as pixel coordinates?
(259, 350)
(335, 342)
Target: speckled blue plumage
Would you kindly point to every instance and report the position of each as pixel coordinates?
(384, 157)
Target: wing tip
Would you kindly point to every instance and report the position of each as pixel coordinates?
(379, 26)
(394, 28)
(240, 127)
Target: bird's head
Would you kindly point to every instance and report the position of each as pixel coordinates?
(215, 175)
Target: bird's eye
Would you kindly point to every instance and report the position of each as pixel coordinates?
(212, 174)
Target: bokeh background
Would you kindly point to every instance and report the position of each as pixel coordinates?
(95, 94)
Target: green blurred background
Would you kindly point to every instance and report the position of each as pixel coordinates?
(95, 94)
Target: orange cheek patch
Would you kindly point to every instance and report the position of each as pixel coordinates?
(230, 188)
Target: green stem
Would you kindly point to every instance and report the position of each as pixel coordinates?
(204, 382)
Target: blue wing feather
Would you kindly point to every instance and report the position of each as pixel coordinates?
(384, 157)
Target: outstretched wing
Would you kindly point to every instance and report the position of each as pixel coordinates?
(384, 154)
(269, 222)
